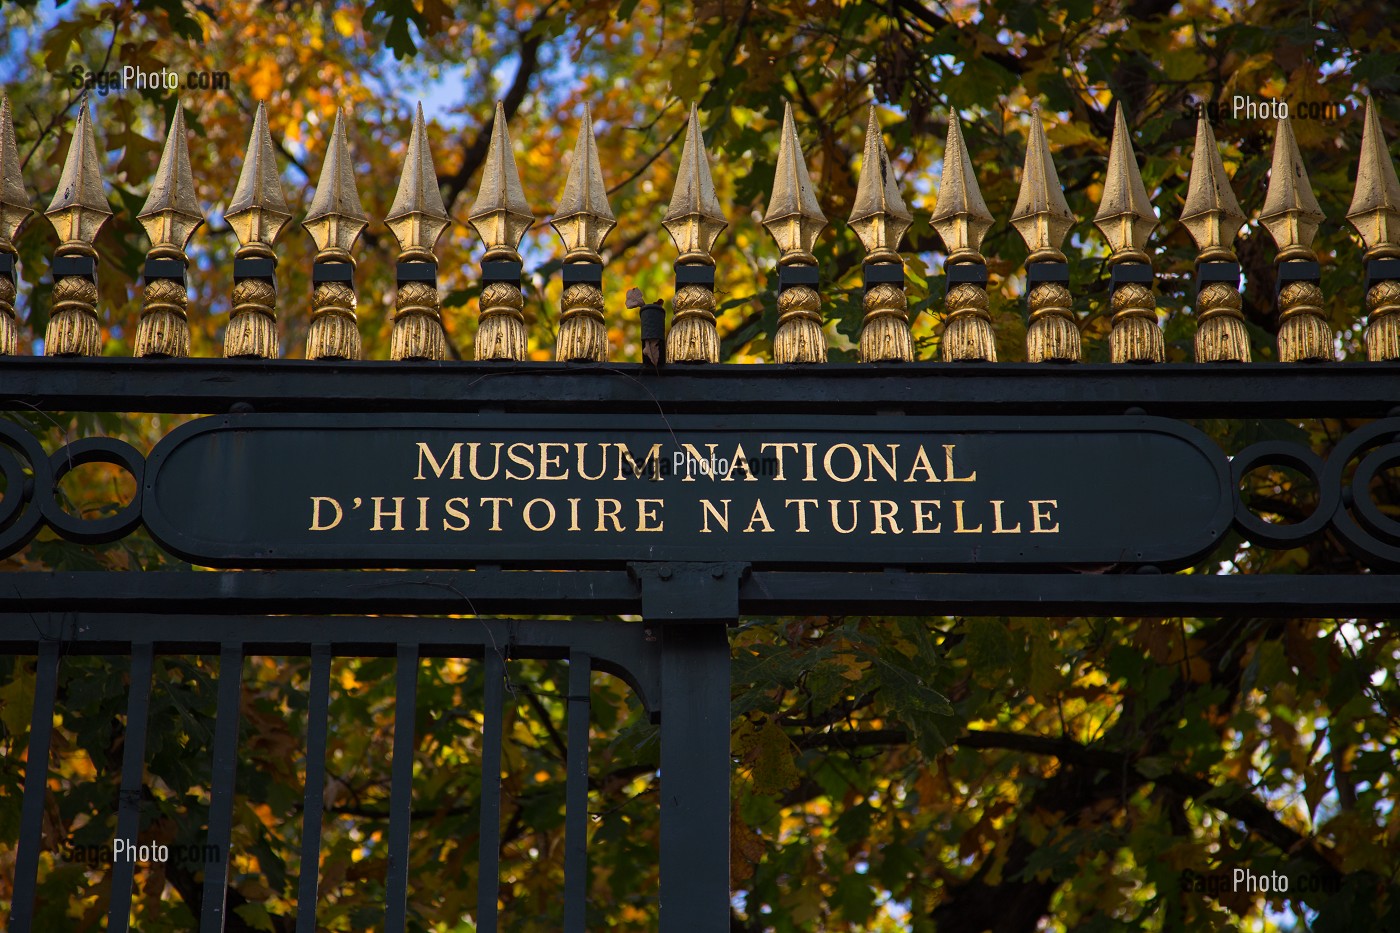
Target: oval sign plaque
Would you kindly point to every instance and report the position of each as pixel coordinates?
(779, 491)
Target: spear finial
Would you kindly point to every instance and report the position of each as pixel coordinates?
(171, 216)
(79, 207)
(257, 214)
(14, 200)
(1213, 217)
(1126, 219)
(335, 221)
(960, 215)
(258, 211)
(583, 221)
(1043, 218)
(694, 221)
(1375, 203)
(500, 216)
(78, 211)
(14, 208)
(417, 219)
(1042, 215)
(880, 219)
(583, 218)
(795, 219)
(878, 216)
(1291, 212)
(335, 218)
(962, 220)
(1292, 215)
(1375, 213)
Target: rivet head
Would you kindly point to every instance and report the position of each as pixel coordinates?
(664, 573)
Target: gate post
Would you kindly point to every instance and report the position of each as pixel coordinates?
(692, 605)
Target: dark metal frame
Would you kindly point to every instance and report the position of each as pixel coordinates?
(677, 659)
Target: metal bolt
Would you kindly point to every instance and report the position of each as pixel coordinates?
(664, 573)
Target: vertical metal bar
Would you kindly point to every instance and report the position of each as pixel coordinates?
(576, 796)
(489, 861)
(36, 781)
(138, 706)
(694, 778)
(211, 915)
(317, 723)
(401, 792)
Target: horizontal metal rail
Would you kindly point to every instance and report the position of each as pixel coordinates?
(233, 596)
(1186, 390)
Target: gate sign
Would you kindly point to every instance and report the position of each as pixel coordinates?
(772, 490)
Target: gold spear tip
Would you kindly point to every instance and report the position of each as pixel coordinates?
(172, 213)
(500, 215)
(1375, 204)
(794, 216)
(583, 218)
(1212, 215)
(258, 211)
(418, 217)
(14, 200)
(1291, 212)
(960, 215)
(1042, 215)
(878, 216)
(694, 219)
(336, 217)
(79, 207)
(1125, 217)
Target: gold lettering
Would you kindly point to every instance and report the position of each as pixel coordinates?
(921, 463)
(872, 455)
(958, 510)
(950, 478)
(884, 512)
(811, 476)
(1037, 517)
(546, 461)
(518, 460)
(855, 462)
(316, 513)
(581, 447)
(422, 514)
(653, 458)
(781, 449)
(801, 512)
(526, 514)
(471, 461)
(997, 527)
(646, 513)
(381, 513)
(453, 511)
(573, 506)
(759, 515)
(454, 456)
(855, 515)
(740, 461)
(609, 514)
(495, 503)
(707, 509)
(921, 515)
